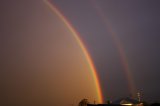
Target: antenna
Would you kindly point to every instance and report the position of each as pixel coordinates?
(94, 101)
(139, 96)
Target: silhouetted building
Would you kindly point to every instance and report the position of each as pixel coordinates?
(128, 101)
(121, 102)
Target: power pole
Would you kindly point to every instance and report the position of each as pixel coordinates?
(94, 101)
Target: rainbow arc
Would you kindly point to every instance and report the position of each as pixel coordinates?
(76, 35)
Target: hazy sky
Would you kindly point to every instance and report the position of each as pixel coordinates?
(42, 63)
(137, 26)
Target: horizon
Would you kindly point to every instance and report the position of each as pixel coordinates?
(60, 52)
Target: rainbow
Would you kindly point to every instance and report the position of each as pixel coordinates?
(118, 44)
(76, 35)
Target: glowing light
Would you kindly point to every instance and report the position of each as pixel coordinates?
(76, 36)
(128, 104)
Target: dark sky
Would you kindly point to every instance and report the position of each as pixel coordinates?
(137, 26)
(41, 62)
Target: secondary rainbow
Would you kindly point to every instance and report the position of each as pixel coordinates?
(78, 39)
(118, 44)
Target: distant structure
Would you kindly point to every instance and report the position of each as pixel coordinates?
(128, 101)
(121, 102)
(139, 96)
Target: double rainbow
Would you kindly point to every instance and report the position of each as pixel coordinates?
(83, 48)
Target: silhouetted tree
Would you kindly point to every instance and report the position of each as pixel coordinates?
(83, 102)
